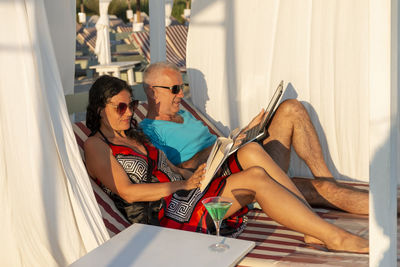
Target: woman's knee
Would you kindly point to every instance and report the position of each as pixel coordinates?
(251, 151)
(251, 154)
(248, 182)
(257, 175)
(249, 177)
(251, 148)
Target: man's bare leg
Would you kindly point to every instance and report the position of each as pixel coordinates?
(291, 125)
(287, 209)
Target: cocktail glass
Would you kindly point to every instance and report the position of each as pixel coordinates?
(217, 208)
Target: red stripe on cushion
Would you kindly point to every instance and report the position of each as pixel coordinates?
(109, 210)
(259, 218)
(281, 242)
(111, 226)
(267, 219)
(312, 259)
(178, 38)
(294, 237)
(263, 226)
(83, 127)
(143, 43)
(261, 256)
(139, 113)
(123, 28)
(289, 259)
(145, 105)
(79, 140)
(178, 35)
(266, 248)
(262, 239)
(266, 226)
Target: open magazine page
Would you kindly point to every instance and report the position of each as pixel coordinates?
(224, 147)
(219, 153)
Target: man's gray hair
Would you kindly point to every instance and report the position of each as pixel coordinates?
(155, 69)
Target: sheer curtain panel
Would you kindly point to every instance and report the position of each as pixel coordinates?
(49, 214)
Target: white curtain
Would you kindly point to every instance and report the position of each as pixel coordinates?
(49, 214)
(238, 51)
(339, 57)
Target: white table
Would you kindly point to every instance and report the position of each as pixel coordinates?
(115, 68)
(146, 245)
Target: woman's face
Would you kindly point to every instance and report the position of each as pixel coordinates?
(117, 113)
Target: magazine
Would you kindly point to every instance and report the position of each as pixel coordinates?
(226, 146)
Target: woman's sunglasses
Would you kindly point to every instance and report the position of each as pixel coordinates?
(122, 107)
(175, 89)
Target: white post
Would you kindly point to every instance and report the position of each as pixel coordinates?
(157, 31)
(384, 131)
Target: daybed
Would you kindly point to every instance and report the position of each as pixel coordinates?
(276, 245)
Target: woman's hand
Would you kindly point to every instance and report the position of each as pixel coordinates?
(194, 181)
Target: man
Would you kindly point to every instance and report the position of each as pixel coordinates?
(290, 126)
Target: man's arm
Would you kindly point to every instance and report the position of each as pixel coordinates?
(199, 158)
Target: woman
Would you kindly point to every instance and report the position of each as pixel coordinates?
(147, 188)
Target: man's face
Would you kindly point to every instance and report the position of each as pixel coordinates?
(168, 103)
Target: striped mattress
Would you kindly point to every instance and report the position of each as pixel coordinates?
(275, 245)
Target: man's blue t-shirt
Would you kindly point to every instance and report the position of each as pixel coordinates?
(179, 141)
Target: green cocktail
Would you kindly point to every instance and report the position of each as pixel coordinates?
(217, 208)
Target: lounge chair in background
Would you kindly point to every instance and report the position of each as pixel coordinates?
(175, 44)
(122, 49)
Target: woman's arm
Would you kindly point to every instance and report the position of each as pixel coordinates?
(186, 173)
(102, 165)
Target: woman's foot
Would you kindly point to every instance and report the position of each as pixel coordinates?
(349, 243)
(312, 240)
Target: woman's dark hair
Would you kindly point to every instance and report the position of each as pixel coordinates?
(100, 93)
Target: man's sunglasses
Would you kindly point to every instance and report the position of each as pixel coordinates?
(175, 89)
(122, 107)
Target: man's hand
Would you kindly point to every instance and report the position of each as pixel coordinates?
(256, 120)
(238, 140)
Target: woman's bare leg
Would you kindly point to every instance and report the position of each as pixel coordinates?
(253, 155)
(281, 205)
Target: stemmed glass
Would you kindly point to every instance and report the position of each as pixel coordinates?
(217, 208)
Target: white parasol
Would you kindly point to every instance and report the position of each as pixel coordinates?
(102, 49)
